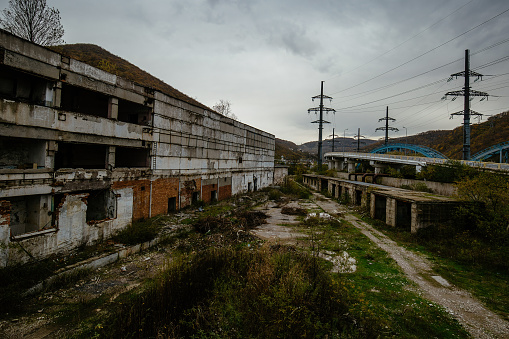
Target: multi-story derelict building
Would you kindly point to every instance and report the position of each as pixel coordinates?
(83, 152)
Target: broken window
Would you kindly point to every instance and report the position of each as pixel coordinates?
(22, 153)
(133, 113)
(20, 86)
(132, 157)
(80, 100)
(101, 205)
(30, 214)
(86, 156)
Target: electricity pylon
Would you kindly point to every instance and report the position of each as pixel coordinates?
(320, 121)
(466, 92)
(386, 128)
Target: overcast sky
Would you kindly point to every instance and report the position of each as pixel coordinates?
(268, 57)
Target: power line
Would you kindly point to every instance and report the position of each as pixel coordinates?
(404, 42)
(425, 53)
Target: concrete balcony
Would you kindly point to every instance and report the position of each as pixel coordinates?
(41, 122)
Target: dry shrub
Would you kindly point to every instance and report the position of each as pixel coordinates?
(294, 211)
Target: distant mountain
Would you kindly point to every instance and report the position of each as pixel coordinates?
(289, 150)
(450, 142)
(99, 57)
(340, 144)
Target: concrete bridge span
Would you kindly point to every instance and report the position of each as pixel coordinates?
(348, 160)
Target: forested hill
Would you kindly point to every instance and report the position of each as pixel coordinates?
(488, 133)
(99, 57)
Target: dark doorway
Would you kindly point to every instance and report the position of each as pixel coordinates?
(172, 204)
(255, 180)
(380, 207)
(195, 198)
(213, 196)
(333, 190)
(358, 197)
(404, 214)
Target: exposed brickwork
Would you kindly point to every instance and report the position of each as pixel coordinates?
(5, 212)
(225, 192)
(141, 193)
(206, 192)
(187, 188)
(162, 190)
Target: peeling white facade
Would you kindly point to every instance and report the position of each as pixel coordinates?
(84, 153)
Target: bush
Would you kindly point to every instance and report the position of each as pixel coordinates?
(292, 188)
(242, 294)
(139, 232)
(275, 194)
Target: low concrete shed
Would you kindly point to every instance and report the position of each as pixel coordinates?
(397, 207)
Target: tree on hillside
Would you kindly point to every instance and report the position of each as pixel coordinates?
(224, 107)
(34, 21)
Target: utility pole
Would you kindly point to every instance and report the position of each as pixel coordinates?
(359, 136)
(386, 128)
(333, 136)
(320, 121)
(344, 138)
(466, 92)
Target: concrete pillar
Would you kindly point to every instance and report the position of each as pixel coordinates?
(372, 205)
(390, 212)
(110, 157)
(379, 168)
(351, 166)
(113, 108)
(57, 95)
(51, 149)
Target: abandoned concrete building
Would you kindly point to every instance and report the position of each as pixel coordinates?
(84, 153)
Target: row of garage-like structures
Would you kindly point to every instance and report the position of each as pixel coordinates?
(397, 207)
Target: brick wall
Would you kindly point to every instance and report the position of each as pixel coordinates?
(141, 193)
(206, 192)
(187, 188)
(225, 192)
(162, 190)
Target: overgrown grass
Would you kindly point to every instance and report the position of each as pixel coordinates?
(291, 188)
(468, 261)
(141, 231)
(226, 293)
(381, 288)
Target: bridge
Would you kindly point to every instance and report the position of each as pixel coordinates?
(426, 151)
(493, 150)
(348, 161)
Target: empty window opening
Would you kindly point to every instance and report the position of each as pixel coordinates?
(172, 204)
(87, 156)
(195, 197)
(133, 113)
(84, 101)
(30, 214)
(131, 157)
(20, 153)
(358, 197)
(101, 205)
(380, 207)
(19, 86)
(333, 190)
(240, 160)
(404, 214)
(249, 187)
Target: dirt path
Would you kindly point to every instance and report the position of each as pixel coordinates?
(477, 319)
